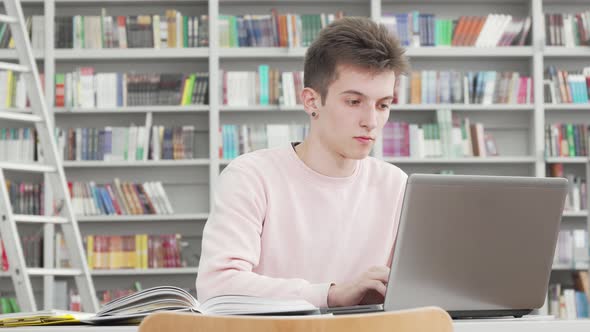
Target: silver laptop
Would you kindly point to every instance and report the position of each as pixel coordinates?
(476, 246)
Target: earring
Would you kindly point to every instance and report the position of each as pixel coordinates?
(313, 114)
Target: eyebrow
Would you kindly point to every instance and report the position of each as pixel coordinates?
(354, 92)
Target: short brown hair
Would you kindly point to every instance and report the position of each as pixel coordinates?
(353, 41)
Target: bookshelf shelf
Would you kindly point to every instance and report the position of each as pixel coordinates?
(16, 110)
(144, 218)
(571, 267)
(474, 160)
(470, 52)
(4, 274)
(435, 161)
(10, 54)
(128, 272)
(27, 167)
(132, 53)
(463, 107)
(575, 214)
(149, 163)
(414, 52)
(123, 2)
(261, 108)
(134, 109)
(566, 52)
(567, 107)
(261, 52)
(567, 160)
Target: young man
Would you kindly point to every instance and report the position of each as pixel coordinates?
(316, 220)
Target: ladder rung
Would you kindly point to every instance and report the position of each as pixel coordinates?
(34, 271)
(7, 19)
(9, 115)
(40, 219)
(23, 167)
(14, 67)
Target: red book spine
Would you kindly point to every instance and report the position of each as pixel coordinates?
(4, 263)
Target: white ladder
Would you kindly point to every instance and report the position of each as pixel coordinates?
(55, 175)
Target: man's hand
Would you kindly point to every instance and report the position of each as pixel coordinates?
(368, 289)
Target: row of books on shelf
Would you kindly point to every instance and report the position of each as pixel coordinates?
(32, 245)
(171, 30)
(12, 90)
(127, 143)
(567, 29)
(417, 29)
(414, 29)
(239, 139)
(572, 248)
(571, 301)
(577, 196)
(119, 198)
(449, 137)
(272, 30)
(26, 197)
(3, 257)
(264, 87)
(566, 140)
(562, 87)
(86, 89)
(35, 28)
(484, 87)
(139, 251)
(18, 144)
(8, 305)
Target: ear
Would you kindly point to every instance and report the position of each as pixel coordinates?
(311, 100)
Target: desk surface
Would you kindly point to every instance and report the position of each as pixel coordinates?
(493, 325)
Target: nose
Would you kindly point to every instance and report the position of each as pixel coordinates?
(369, 118)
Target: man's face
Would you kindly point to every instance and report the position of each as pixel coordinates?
(355, 110)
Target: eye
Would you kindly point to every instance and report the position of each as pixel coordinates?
(353, 102)
(385, 106)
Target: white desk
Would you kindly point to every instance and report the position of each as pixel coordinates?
(496, 325)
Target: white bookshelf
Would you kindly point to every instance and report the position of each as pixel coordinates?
(144, 272)
(567, 160)
(567, 107)
(464, 107)
(149, 163)
(575, 214)
(7, 54)
(518, 128)
(564, 52)
(468, 161)
(470, 52)
(144, 218)
(133, 109)
(261, 108)
(262, 52)
(131, 54)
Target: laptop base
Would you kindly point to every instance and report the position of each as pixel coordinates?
(469, 314)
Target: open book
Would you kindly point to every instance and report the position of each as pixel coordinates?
(133, 308)
(41, 318)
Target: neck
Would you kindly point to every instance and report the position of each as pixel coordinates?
(321, 159)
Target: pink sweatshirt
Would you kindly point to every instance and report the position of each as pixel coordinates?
(279, 229)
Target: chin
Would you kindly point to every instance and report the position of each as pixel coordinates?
(357, 154)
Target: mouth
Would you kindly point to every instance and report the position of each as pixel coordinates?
(364, 139)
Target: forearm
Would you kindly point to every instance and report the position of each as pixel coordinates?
(235, 282)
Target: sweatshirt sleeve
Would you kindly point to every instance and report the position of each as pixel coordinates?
(232, 243)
